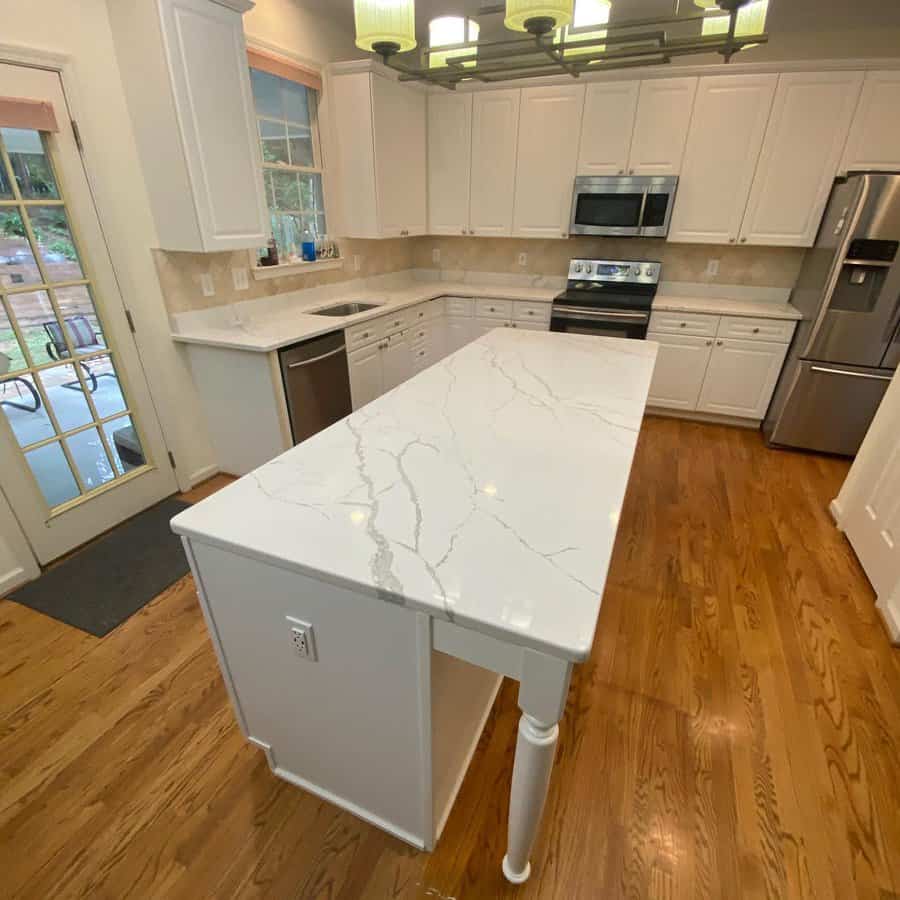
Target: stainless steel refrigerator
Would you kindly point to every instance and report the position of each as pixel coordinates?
(846, 348)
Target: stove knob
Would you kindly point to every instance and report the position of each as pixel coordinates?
(587, 268)
(576, 267)
(635, 270)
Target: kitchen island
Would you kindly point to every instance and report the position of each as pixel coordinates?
(367, 590)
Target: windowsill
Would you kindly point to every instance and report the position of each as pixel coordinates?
(297, 268)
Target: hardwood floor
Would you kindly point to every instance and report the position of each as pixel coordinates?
(735, 734)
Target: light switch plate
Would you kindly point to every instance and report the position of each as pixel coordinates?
(436, 255)
(357, 262)
(239, 276)
(712, 268)
(206, 284)
(523, 259)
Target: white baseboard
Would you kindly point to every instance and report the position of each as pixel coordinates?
(890, 614)
(13, 579)
(707, 418)
(837, 513)
(202, 474)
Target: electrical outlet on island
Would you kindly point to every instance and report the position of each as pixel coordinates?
(239, 276)
(302, 638)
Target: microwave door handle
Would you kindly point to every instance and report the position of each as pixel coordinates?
(643, 207)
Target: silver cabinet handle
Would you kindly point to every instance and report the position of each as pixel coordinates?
(709, 343)
(743, 240)
(756, 331)
(315, 359)
(718, 343)
(464, 231)
(730, 240)
(682, 324)
(631, 171)
(621, 171)
(827, 371)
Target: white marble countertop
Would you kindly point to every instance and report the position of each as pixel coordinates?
(721, 306)
(276, 328)
(486, 490)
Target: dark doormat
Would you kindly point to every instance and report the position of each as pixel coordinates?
(99, 587)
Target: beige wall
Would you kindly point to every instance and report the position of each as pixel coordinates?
(179, 273)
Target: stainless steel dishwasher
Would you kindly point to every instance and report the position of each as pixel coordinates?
(316, 384)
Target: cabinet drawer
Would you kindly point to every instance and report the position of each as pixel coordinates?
(419, 333)
(756, 329)
(365, 332)
(435, 308)
(422, 357)
(493, 309)
(523, 311)
(396, 321)
(459, 306)
(684, 323)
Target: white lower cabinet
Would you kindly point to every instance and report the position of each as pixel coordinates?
(740, 378)
(710, 371)
(385, 351)
(680, 368)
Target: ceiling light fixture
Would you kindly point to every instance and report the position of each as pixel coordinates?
(448, 31)
(538, 16)
(562, 39)
(751, 19)
(385, 26)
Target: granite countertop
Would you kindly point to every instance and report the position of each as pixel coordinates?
(275, 329)
(761, 309)
(486, 490)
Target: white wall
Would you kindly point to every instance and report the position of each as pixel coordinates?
(17, 563)
(80, 31)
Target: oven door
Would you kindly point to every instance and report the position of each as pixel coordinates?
(622, 206)
(600, 322)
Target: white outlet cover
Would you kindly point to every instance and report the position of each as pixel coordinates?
(712, 268)
(206, 284)
(302, 632)
(357, 262)
(240, 277)
(523, 259)
(436, 255)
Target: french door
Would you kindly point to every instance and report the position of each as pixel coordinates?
(80, 443)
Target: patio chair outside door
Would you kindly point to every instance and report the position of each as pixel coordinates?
(82, 448)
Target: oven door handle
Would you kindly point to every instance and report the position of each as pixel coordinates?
(574, 312)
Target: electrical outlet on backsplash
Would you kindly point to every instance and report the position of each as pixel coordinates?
(464, 258)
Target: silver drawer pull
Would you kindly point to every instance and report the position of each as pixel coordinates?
(682, 324)
(309, 362)
(826, 371)
(756, 331)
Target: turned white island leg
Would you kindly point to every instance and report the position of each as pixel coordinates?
(542, 699)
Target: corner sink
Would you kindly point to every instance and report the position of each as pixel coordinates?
(345, 309)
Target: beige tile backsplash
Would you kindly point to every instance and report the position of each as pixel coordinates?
(179, 273)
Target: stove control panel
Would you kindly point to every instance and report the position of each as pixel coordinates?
(611, 270)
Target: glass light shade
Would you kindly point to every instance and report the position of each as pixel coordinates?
(385, 22)
(447, 30)
(587, 12)
(751, 19)
(518, 12)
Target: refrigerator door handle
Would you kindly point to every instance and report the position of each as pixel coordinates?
(829, 371)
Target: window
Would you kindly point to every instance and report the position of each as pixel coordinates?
(292, 160)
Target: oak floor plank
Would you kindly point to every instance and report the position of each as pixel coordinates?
(735, 733)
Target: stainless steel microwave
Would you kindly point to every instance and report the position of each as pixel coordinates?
(625, 206)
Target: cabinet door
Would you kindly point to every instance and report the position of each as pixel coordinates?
(724, 140)
(606, 127)
(207, 58)
(396, 360)
(800, 155)
(449, 162)
(457, 333)
(398, 113)
(549, 127)
(874, 141)
(495, 130)
(661, 126)
(365, 374)
(741, 377)
(680, 366)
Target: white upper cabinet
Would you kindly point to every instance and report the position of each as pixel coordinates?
(635, 127)
(723, 146)
(449, 162)
(800, 154)
(607, 127)
(495, 131)
(874, 141)
(379, 127)
(187, 82)
(549, 131)
(661, 126)
(400, 157)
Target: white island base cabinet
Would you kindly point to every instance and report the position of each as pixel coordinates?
(383, 717)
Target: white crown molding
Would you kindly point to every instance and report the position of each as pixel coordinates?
(239, 6)
(255, 43)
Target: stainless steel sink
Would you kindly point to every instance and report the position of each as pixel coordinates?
(345, 309)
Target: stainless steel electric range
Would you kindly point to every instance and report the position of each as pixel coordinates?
(606, 297)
